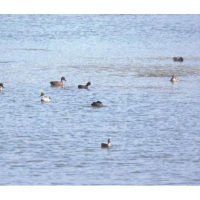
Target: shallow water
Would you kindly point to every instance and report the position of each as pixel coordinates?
(153, 124)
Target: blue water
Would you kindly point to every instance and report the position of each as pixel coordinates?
(153, 124)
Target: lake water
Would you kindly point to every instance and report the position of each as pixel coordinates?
(153, 124)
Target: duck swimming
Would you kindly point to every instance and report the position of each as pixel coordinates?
(97, 104)
(44, 99)
(58, 83)
(103, 145)
(1, 86)
(180, 59)
(84, 86)
(174, 79)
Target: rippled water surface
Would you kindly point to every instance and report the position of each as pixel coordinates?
(153, 124)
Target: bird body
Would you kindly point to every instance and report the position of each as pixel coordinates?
(44, 98)
(58, 83)
(180, 59)
(84, 86)
(103, 145)
(174, 79)
(97, 104)
(1, 86)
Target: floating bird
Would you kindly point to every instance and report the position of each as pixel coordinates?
(174, 79)
(180, 59)
(84, 86)
(97, 104)
(58, 83)
(1, 86)
(103, 145)
(44, 99)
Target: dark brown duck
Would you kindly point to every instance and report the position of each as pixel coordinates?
(97, 104)
(58, 83)
(180, 59)
(84, 86)
(103, 145)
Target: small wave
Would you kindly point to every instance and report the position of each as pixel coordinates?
(32, 49)
(3, 62)
(35, 160)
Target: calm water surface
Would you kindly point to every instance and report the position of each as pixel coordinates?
(153, 124)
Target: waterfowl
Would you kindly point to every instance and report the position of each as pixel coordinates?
(44, 99)
(97, 104)
(103, 145)
(1, 86)
(58, 83)
(174, 79)
(84, 86)
(180, 59)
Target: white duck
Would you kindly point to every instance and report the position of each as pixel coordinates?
(44, 99)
